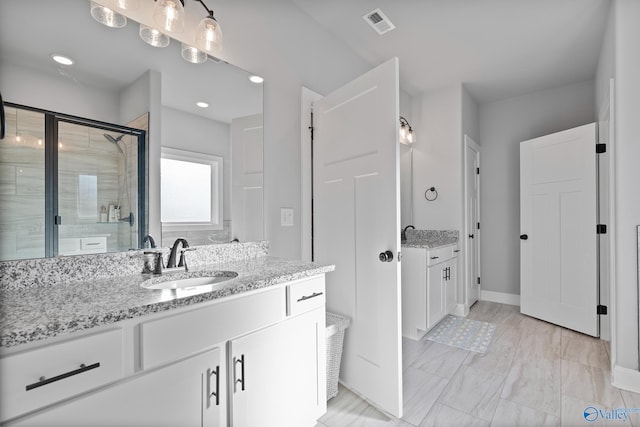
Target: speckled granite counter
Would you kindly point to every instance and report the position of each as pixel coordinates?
(430, 238)
(35, 313)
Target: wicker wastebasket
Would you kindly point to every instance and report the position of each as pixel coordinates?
(335, 338)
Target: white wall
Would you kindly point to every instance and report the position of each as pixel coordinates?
(627, 176)
(503, 125)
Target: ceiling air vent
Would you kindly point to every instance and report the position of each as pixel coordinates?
(378, 21)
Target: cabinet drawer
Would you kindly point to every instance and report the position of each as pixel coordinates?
(305, 295)
(438, 255)
(173, 337)
(42, 376)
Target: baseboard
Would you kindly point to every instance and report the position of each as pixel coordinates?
(626, 379)
(500, 297)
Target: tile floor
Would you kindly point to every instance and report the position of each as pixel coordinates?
(534, 374)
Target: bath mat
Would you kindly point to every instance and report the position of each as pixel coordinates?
(464, 333)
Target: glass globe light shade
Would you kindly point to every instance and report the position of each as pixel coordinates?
(209, 35)
(169, 15)
(193, 55)
(126, 4)
(107, 17)
(153, 37)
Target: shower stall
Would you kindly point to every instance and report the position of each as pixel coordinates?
(69, 185)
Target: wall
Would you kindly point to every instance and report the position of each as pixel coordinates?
(627, 176)
(503, 125)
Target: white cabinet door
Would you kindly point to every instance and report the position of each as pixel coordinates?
(435, 295)
(172, 396)
(451, 282)
(275, 375)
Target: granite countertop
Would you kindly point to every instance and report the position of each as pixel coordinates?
(429, 239)
(33, 314)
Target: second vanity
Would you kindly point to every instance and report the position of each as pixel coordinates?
(110, 352)
(429, 279)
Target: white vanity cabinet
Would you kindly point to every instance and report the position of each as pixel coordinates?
(245, 360)
(429, 280)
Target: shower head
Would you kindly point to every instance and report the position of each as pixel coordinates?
(115, 141)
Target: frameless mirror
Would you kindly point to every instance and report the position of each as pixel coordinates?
(117, 80)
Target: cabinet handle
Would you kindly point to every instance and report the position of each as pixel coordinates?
(306, 297)
(45, 381)
(456, 251)
(216, 393)
(237, 380)
(435, 257)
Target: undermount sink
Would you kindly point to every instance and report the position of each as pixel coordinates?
(189, 283)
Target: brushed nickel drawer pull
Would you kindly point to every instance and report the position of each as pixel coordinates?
(237, 380)
(216, 393)
(313, 295)
(45, 381)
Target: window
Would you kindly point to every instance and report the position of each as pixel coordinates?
(190, 190)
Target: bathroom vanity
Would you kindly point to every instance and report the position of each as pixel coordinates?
(429, 280)
(111, 352)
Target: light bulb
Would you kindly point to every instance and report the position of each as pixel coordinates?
(169, 15)
(209, 35)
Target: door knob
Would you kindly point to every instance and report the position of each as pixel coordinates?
(523, 237)
(386, 256)
(471, 236)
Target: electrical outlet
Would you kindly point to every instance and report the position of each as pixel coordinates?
(286, 217)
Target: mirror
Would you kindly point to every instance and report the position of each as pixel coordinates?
(117, 78)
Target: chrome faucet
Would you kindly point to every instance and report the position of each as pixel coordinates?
(171, 263)
(403, 234)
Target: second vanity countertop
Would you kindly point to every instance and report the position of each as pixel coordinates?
(429, 239)
(37, 313)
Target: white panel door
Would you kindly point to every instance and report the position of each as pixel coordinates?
(357, 217)
(558, 219)
(247, 179)
(472, 219)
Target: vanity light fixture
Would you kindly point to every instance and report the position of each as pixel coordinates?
(202, 104)
(168, 16)
(407, 135)
(61, 59)
(256, 79)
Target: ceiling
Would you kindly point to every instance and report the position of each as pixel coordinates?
(497, 48)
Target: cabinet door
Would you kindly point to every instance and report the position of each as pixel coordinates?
(451, 284)
(172, 396)
(275, 374)
(435, 295)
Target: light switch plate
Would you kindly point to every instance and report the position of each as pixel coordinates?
(286, 217)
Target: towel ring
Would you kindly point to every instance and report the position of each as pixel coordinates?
(433, 197)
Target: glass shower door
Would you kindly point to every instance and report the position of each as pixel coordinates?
(97, 190)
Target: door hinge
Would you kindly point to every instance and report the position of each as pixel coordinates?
(601, 229)
(57, 220)
(478, 226)
(601, 148)
(477, 171)
(399, 256)
(601, 309)
(478, 280)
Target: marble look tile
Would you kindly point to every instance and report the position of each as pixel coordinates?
(509, 315)
(534, 382)
(514, 415)
(440, 359)
(412, 349)
(343, 409)
(586, 350)
(501, 351)
(420, 392)
(533, 325)
(540, 341)
(474, 392)
(590, 384)
(632, 404)
(484, 311)
(445, 416)
(371, 417)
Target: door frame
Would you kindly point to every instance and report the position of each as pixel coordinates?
(468, 142)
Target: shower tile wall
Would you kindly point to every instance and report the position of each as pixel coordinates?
(22, 185)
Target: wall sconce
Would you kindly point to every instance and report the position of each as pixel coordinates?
(168, 16)
(407, 135)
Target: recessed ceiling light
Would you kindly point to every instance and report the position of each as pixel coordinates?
(61, 59)
(202, 104)
(256, 79)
